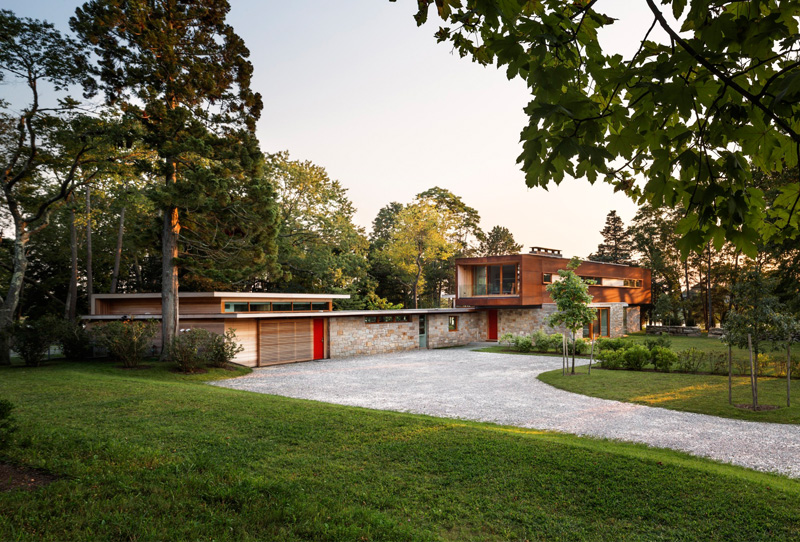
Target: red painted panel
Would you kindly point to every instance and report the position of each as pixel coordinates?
(492, 334)
(319, 338)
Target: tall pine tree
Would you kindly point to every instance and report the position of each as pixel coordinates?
(177, 67)
(616, 245)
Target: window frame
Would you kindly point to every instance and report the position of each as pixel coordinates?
(452, 322)
(474, 276)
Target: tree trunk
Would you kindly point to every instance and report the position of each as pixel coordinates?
(169, 279)
(789, 374)
(564, 355)
(118, 251)
(11, 301)
(710, 321)
(137, 270)
(730, 374)
(753, 372)
(591, 357)
(574, 347)
(71, 309)
(89, 279)
(686, 299)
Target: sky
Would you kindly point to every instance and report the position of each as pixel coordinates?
(357, 88)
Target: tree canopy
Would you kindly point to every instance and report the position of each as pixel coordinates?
(616, 246)
(677, 123)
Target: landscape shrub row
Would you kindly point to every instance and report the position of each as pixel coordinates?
(126, 341)
(539, 341)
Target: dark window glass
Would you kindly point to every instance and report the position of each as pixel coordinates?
(386, 319)
(319, 306)
(370, 319)
(301, 306)
(452, 323)
(480, 280)
(547, 278)
(494, 279)
(282, 307)
(509, 279)
(402, 318)
(604, 322)
(235, 307)
(260, 307)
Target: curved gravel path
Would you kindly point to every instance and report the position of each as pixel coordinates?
(503, 389)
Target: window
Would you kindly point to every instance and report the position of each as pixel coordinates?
(282, 307)
(493, 280)
(633, 283)
(547, 278)
(235, 307)
(452, 323)
(319, 306)
(387, 319)
(402, 318)
(260, 307)
(301, 306)
(371, 319)
(598, 281)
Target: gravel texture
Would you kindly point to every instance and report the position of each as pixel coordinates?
(503, 389)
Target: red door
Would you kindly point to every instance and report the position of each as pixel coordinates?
(319, 338)
(492, 334)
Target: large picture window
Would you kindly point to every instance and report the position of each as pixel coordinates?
(490, 280)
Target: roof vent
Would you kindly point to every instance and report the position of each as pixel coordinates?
(541, 251)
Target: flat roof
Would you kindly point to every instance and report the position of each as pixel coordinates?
(257, 295)
(305, 314)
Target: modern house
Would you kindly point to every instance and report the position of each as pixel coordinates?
(511, 290)
(496, 295)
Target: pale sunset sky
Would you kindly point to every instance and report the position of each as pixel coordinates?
(354, 86)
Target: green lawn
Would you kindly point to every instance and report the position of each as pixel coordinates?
(153, 455)
(706, 394)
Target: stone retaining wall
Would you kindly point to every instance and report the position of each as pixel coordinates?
(687, 331)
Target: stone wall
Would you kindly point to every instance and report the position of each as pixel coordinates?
(351, 336)
(634, 319)
(471, 327)
(525, 321)
(616, 321)
(691, 331)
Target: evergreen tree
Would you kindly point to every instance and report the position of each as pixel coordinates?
(616, 245)
(181, 71)
(497, 242)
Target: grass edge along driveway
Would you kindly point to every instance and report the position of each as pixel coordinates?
(152, 455)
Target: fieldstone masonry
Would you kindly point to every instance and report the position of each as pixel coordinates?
(634, 319)
(351, 336)
(471, 327)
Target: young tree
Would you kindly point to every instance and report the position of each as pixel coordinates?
(616, 246)
(688, 114)
(46, 152)
(755, 321)
(497, 242)
(180, 70)
(571, 295)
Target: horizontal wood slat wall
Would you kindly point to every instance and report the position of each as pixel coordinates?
(246, 335)
(286, 341)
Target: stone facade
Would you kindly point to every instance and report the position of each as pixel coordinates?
(525, 321)
(471, 327)
(351, 336)
(634, 319)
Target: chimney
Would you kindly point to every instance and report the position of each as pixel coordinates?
(541, 251)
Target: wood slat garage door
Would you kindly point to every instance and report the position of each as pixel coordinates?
(286, 341)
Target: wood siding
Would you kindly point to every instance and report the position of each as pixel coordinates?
(286, 341)
(247, 336)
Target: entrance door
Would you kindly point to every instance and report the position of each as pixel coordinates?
(319, 338)
(423, 331)
(599, 327)
(491, 335)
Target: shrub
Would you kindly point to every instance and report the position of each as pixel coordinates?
(522, 343)
(718, 362)
(581, 347)
(610, 359)
(506, 339)
(690, 360)
(663, 358)
(604, 343)
(74, 339)
(220, 350)
(556, 342)
(186, 349)
(31, 339)
(542, 342)
(126, 340)
(661, 340)
(7, 425)
(635, 357)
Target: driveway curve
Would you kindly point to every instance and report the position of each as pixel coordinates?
(503, 389)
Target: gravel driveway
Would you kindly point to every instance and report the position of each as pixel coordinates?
(503, 389)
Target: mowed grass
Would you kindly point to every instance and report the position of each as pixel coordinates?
(151, 455)
(706, 394)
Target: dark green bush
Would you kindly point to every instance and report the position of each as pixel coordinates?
(663, 359)
(31, 339)
(661, 340)
(186, 349)
(542, 342)
(635, 357)
(610, 359)
(75, 340)
(219, 350)
(128, 341)
(604, 343)
(7, 425)
(581, 347)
